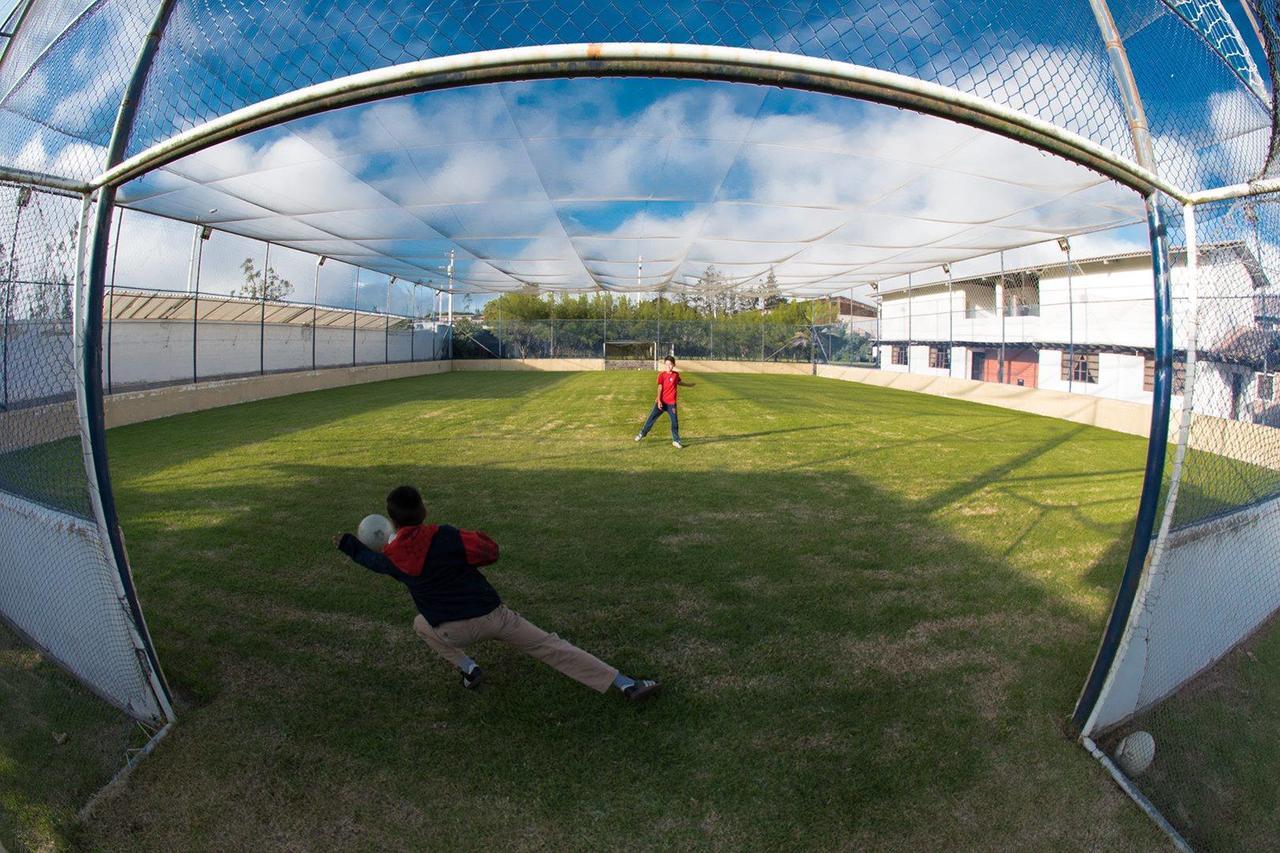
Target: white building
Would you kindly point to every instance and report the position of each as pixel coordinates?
(1098, 316)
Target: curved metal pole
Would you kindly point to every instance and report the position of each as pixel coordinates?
(1158, 440)
(709, 62)
(92, 348)
(1149, 503)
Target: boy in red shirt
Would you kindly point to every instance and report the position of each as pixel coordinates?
(668, 381)
(456, 604)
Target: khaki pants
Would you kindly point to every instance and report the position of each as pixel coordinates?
(450, 638)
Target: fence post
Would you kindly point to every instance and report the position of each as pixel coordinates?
(205, 234)
(24, 197)
(386, 323)
(111, 305)
(315, 298)
(262, 315)
(1000, 309)
(499, 326)
(413, 326)
(355, 313)
(1071, 320)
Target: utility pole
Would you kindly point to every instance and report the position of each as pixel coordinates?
(1000, 309)
(951, 320)
(315, 298)
(451, 304)
(1065, 245)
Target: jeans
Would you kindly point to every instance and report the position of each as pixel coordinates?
(670, 409)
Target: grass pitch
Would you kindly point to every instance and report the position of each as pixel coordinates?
(872, 611)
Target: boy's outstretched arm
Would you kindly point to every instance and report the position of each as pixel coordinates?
(365, 556)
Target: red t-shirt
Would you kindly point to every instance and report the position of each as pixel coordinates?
(668, 381)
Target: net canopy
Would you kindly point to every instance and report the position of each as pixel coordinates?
(628, 184)
(634, 185)
(562, 145)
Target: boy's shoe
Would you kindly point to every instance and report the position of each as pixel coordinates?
(642, 690)
(677, 445)
(471, 680)
(639, 436)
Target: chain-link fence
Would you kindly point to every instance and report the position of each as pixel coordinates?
(1201, 674)
(735, 338)
(1200, 662)
(189, 304)
(59, 585)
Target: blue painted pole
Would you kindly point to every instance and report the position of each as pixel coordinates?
(1153, 477)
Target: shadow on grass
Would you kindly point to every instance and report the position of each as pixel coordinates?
(840, 669)
(58, 744)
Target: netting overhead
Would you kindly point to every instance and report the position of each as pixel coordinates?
(634, 185)
(1209, 112)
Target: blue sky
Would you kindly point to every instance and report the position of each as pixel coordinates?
(639, 184)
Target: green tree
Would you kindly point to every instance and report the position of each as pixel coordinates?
(262, 284)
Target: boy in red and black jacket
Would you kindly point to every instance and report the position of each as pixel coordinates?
(456, 604)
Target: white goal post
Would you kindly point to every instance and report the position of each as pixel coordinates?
(630, 355)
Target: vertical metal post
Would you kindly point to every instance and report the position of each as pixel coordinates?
(762, 335)
(386, 324)
(659, 322)
(91, 402)
(24, 197)
(451, 304)
(910, 317)
(111, 305)
(951, 321)
(1071, 327)
(413, 327)
(315, 299)
(262, 314)
(1000, 314)
(1148, 504)
(202, 234)
(605, 341)
(355, 314)
(500, 326)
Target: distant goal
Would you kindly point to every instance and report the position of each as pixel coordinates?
(630, 355)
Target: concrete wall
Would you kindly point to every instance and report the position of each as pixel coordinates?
(155, 352)
(1121, 416)
(136, 406)
(548, 364)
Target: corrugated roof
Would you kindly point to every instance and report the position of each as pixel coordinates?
(158, 305)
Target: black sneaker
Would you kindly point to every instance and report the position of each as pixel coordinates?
(471, 680)
(642, 690)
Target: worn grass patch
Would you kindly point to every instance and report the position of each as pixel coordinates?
(872, 611)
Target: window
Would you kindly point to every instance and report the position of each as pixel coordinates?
(1266, 387)
(940, 357)
(899, 354)
(1179, 375)
(1083, 369)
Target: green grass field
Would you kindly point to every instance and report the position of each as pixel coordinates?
(872, 611)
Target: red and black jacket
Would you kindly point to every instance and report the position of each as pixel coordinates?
(439, 564)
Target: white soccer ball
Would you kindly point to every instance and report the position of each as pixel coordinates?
(374, 531)
(1135, 753)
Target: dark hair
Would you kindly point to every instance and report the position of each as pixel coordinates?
(405, 506)
(670, 358)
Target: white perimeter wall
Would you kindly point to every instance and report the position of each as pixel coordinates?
(1211, 586)
(152, 352)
